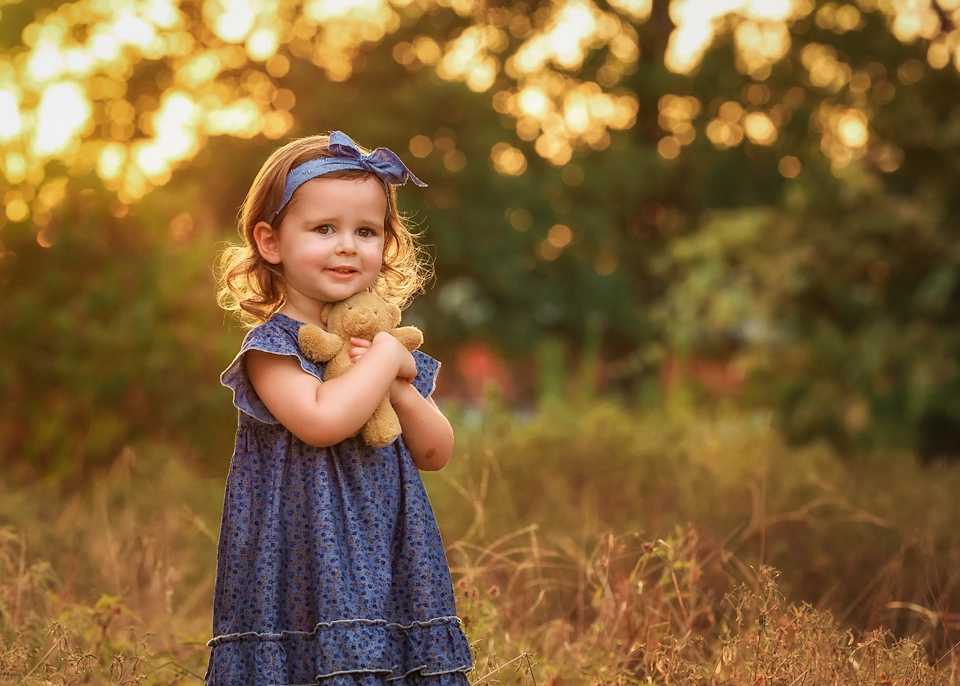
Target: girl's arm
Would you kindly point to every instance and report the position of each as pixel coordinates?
(323, 414)
(426, 431)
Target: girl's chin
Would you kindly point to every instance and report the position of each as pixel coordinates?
(340, 291)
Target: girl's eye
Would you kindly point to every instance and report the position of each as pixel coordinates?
(366, 233)
(324, 229)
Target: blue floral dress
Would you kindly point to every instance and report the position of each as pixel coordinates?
(330, 566)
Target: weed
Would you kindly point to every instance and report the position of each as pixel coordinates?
(588, 546)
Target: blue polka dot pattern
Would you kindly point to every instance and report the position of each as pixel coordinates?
(330, 566)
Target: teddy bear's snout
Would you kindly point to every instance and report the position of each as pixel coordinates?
(361, 323)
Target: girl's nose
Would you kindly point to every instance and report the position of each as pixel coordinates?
(346, 245)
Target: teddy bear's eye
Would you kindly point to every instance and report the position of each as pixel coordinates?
(349, 308)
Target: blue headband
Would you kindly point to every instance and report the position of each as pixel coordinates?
(381, 162)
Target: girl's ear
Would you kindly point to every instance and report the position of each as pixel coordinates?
(268, 242)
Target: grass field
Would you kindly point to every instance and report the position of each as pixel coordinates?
(589, 545)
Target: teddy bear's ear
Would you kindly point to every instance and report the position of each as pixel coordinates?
(394, 313)
(325, 313)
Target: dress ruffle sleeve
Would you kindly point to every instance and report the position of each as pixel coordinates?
(427, 370)
(272, 338)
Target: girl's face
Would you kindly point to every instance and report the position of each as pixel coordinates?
(330, 242)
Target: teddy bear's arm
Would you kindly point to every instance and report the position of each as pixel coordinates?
(410, 336)
(318, 345)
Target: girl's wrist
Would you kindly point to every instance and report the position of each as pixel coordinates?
(405, 360)
(401, 391)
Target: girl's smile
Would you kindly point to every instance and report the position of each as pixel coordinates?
(329, 244)
(344, 272)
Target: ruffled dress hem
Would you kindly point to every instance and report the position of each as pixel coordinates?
(358, 647)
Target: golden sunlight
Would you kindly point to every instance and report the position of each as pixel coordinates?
(558, 112)
(760, 129)
(560, 235)
(61, 115)
(10, 122)
(760, 45)
(676, 116)
(65, 96)
(325, 10)
(844, 134)
(563, 41)
(508, 159)
(760, 31)
(468, 58)
(825, 70)
(639, 10)
(232, 19)
(915, 19)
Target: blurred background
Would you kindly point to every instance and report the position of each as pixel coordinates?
(732, 201)
(711, 218)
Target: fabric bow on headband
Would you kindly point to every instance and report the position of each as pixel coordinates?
(382, 162)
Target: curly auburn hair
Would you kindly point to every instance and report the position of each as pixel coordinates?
(253, 289)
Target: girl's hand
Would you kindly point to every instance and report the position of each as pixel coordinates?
(360, 347)
(408, 367)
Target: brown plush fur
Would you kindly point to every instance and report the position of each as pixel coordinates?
(363, 316)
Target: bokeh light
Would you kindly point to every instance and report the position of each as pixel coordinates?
(508, 159)
(65, 96)
(844, 134)
(676, 116)
(789, 166)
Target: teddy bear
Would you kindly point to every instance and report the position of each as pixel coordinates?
(362, 315)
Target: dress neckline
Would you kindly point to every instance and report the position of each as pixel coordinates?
(280, 316)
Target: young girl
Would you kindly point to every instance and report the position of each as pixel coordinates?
(330, 566)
